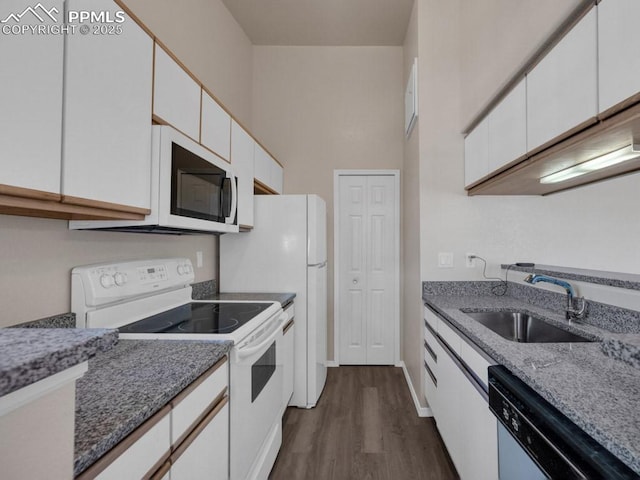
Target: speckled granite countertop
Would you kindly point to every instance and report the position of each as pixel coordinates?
(30, 355)
(283, 298)
(597, 392)
(128, 384)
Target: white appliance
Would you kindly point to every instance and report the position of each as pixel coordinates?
(287, 252)
(192, 190)
(151, 299)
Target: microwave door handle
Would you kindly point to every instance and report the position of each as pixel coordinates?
(234, 198)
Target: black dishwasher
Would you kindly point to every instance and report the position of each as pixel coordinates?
(557, 446)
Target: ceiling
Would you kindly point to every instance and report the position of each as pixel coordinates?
(323, 22)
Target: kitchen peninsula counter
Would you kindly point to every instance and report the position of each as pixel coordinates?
(128, 384)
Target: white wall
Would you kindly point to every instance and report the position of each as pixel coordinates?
(37, 255)
(410, 271)
(325, 108)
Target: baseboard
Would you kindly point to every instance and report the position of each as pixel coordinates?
(422, 411)
(332, 363)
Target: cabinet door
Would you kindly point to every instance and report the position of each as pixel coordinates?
(562, 88)
(277, 176)
(31, 100)
(618, 40)
(508, 128)
(107, 111)
(476, 153)
(262, 165)
(215, 130)
(242, 150)
(206, 457)
(480, 457)
(176, 96)
(448, 407)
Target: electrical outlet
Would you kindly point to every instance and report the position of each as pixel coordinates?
(199, 261)
(445, 260)
(470, 259)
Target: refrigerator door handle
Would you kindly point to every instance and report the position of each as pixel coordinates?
(319, 265)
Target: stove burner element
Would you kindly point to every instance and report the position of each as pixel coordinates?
(203, 317)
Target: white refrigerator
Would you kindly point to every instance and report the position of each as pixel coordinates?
(287, 252)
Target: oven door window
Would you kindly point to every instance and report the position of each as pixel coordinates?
(262, 371)
(198, 188)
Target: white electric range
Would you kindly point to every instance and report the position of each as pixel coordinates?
(151, 299)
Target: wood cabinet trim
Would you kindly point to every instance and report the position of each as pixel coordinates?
(134, 17)
(262, 189)
(30, 207)
(112, 455)
(29, 193)
(85, 202)
(288, 326)
(193, 434)
(178, 444)
(162, 471)
(616, 127)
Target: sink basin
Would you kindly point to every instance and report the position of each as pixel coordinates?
(522, 327)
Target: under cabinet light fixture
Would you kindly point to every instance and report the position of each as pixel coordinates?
(607, 160)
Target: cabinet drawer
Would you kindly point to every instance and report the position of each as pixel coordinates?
(476, 362)
(430, 352)
(190, 405)
(206, 454)
(430, 390)
(142, 456)
(431, 319)
(449, 335)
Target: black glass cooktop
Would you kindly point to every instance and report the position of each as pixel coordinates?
(198, 318)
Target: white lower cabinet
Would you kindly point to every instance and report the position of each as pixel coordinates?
(139, 459)
(187, 440)
(467, 426)
(205, 454)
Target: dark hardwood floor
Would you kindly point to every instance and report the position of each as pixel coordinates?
(365, 426)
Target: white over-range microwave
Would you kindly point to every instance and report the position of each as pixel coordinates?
(192, 190)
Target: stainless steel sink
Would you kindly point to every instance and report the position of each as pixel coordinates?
(522, 327)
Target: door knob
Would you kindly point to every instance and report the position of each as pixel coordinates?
(355, 281)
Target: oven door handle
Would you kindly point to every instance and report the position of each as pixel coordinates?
(244, 352)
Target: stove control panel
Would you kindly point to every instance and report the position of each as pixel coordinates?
(103, 284)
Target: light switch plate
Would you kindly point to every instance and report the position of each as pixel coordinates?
(445, 260)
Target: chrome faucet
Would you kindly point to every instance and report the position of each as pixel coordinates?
(570, 312)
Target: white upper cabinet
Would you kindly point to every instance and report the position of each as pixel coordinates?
(476, 153)
(107, 112)
(508, 128)
(277, 177)
(562, 88)
(215, 128)
(242, 150)
(267, 171)
(618, 40)
(176, 96)
(31, 103)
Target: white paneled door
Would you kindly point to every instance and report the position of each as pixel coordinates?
(367, 268)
